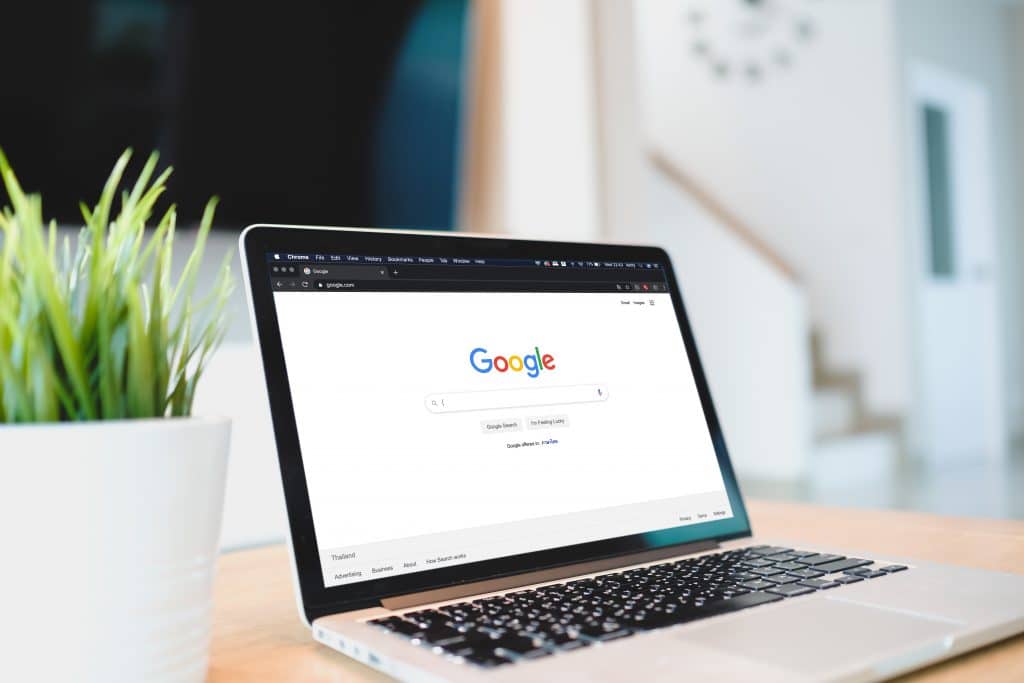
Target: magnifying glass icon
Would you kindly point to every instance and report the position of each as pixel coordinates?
(433, 403)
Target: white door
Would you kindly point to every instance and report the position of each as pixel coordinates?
(958, 335)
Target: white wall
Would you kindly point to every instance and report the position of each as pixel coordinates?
(977, 41)
(548, 155)
(620, 137)
(808, 158)
(751, 326)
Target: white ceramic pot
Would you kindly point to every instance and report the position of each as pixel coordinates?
(109, 537)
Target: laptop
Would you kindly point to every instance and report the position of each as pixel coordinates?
(501, 461)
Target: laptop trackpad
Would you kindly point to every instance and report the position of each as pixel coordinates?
(816, 636)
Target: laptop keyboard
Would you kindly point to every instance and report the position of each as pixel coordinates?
(529, 624)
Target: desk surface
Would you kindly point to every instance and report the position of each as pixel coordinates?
(257, 633)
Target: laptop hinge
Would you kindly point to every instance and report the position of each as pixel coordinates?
(540, 576)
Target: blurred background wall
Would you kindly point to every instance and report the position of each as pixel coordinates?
(838, 183)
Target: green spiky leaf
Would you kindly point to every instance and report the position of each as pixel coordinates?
(97, 329)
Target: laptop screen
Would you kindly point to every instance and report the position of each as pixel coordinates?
(454, 410)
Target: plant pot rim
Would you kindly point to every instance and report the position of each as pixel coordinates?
(147, 423)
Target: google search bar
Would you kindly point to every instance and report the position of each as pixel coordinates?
(463, 401)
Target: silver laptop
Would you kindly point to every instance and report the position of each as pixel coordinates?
(501, 461)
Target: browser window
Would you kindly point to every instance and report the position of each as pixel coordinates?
(457, 410)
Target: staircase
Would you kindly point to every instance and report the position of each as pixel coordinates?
(853, 450)
(852, 445)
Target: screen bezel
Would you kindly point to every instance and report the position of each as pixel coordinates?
(317, 599)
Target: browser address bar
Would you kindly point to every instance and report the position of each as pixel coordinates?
(463, 401)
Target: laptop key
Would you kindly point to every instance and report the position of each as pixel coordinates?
(558, 637)
(455, 644)
(818, 558)
(656, 620)
(867, 573)
(487, 660)
(598, 630)
(819, 584)
(426, 617)
(805, 573)
(893, 568)
(572, 645)
(782, 557)
(438, 634)
(758, 584)
(614, 635)
(514, 644)
(791, 590)
(848, 578)
(399, 626)
(740, 602)
(767, 550)
(782, 578)
(766, 571)
(759, 562)
(789, 566)
(841, 565)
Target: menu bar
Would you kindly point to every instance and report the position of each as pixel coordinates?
(291, 257)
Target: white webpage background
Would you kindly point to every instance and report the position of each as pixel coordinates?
(379, 466)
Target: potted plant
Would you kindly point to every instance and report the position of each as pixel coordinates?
(110, 492)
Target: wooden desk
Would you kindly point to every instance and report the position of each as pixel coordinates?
(257, 633)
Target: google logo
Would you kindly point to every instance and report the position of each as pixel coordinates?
(532, 363)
